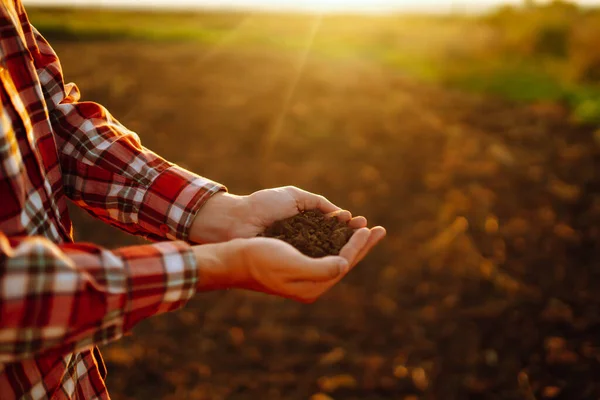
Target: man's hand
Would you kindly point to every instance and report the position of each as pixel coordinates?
(273, 266)
(226, 216)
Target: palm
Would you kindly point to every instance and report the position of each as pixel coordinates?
(274, 267)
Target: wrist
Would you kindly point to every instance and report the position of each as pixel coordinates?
(217, 265)
(215, 221)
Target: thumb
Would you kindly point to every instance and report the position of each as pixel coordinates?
(322, 269)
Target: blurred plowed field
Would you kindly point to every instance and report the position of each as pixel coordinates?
(487, 286)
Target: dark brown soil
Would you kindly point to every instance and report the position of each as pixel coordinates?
(311, 232)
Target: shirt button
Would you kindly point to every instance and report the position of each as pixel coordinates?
(164, 228)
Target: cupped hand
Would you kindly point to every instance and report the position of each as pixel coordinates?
(275, 267)
(226, 216)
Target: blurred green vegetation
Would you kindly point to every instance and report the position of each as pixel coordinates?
(529, 53)
(548, 52)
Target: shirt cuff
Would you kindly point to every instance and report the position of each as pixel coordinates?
(172, 201)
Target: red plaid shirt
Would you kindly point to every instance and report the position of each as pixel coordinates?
(59, 299)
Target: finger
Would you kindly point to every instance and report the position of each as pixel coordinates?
(341, 215)
(358, 240)
(377, 234)
(320, 269)
(310, 201)
(357, 222)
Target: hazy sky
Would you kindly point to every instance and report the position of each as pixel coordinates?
(374, 5)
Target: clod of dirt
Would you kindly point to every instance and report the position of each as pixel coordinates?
(312, 233)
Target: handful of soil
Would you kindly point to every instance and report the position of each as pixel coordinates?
(312, 233)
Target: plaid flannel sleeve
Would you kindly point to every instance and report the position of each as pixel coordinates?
(65, 298)
(107, 171)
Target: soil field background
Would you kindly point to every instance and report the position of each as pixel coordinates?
(487, 284)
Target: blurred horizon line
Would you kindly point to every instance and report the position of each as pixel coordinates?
(312, 6)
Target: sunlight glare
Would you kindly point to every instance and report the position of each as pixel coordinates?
(278, 124)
